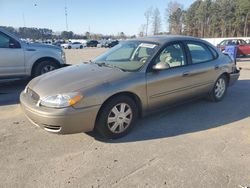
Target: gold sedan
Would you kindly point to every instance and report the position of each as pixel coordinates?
(131, 80)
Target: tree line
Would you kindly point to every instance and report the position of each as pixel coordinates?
(203, 18)
(42, 33)
(45, 34)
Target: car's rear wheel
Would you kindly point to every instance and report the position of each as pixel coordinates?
(44, 67)
(81, 47)
(117, 117)
(219, 89)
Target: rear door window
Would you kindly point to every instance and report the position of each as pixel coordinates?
(199, 52)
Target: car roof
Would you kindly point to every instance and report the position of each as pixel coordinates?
(162, 39)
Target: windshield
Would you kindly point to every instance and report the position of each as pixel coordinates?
(128, 56)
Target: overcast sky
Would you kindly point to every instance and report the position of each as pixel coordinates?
(98, 16)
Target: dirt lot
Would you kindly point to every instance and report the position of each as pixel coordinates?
(75, 56)
(199, 144)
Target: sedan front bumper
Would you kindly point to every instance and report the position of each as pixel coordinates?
(62, 121)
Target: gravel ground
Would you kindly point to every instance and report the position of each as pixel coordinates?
(198, 144)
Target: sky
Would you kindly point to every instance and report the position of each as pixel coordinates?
(96, 16)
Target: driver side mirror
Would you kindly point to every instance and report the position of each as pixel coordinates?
(161, 66)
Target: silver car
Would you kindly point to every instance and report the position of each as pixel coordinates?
(19, 59)
(131, 80)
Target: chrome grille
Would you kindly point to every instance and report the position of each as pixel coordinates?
(33, 95)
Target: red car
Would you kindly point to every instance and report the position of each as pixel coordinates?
(243, 47)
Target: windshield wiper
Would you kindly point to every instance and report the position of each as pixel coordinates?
(110, 65)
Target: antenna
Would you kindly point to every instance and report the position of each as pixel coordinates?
(66, 16)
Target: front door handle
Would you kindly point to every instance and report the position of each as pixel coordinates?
(185, 73)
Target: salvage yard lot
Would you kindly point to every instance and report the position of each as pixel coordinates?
(198, 144)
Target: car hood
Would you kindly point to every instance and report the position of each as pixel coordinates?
(74, 78)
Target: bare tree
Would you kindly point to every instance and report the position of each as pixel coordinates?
(156, 21)
(148, 15)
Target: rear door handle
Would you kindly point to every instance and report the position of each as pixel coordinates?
(185, 73)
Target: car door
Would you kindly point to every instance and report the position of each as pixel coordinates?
(194, 76)
(75, 45)
(243, 47)
(11, 57)
(172, 84)
(204, 68)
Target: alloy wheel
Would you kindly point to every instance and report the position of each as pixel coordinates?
(119, 118)
(47, 68)
(220, 88)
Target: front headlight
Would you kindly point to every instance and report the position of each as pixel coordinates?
(61, 100)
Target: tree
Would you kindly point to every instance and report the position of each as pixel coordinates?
(148, 15)
(156, 21)
(243, 17)
(217, 18)
(176, 21)
(67, 34)
(122, 35)
(87, 34)
(173, 16)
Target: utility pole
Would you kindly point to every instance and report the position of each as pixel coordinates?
(66, 16)
(24, 25)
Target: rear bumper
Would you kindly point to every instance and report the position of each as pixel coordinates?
(61, 121)
(234, 77)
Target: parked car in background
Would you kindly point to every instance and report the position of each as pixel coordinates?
(58, 43)
(248, 41)
(73, 45)
(19, 59)
(242, 47)
(92, 43)
(47, 42)
(133, 79)
(111, 44)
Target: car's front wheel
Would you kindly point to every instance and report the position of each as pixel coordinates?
(219, 89)
(44, 67)
(117, 117)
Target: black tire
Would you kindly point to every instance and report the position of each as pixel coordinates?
(81, 47)
(102, 126)
(41, 66)
(213, 96)
(69, 47)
